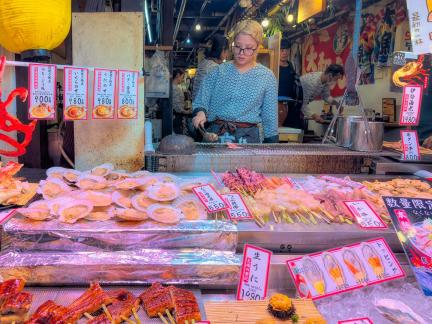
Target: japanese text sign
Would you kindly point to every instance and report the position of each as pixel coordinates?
(344, 269)
(127, 94)
(364, 320)
(209, 197)
(104, 94)
(42, 92)
(75, 99)
(254, 274)
(237, 208)
(365, 215)
(420, 13)
(410, 145)
(411, 104)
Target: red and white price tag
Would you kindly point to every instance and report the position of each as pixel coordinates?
(411, 104)
(293, 183)
(75, 98)
(210, 198)
(104, 94)
(4, 217)
(410, 145)
(364, 213)
(237, 208)
(254, 274)
(127, 94)
(42, 85)
(363, 320)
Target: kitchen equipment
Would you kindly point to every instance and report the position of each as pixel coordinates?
(343, 129)
(208, 137)
(360, 140)
(177, 144)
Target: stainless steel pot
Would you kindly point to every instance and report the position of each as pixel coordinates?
(360, 141)
(343, 129)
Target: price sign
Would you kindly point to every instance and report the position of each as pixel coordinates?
(410, 145)
(237, 208)
(127, 94)
(411, 104)
(209, 197)
(363, 320)
(293, 183)
(42, 85)
(75, 84)
(254, 274)
(6, 216)
(364, 213)
(104, 94)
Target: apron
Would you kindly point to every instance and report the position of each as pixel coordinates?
(233, 132)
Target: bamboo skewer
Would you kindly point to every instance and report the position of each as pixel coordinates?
(107, 313)
(163, 319)
(135, 315)
(127, 320)
(170, 316)
(88, 316)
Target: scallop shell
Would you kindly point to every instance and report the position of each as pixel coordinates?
(40, 204)
(140, 174)
(97, 198)
(163, 191)
(101, 214)
(117, 176)
(75, 210)
(55, 172)
(130, 214)
(52, 188)
(191, 207)
(148, 182)
(71, 175)
(164, 214)
(187, 185)
(91, 182)
(102, 170)
(141, 201)
(38, 214)
(130, 183)
(122, 198)
(57, 203)
(166, 177)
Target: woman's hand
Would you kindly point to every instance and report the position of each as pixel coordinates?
(428, 143)
(199, 120)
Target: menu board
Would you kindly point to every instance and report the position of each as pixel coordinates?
(344, 269)
(75, 98)
(412, 220)
(42, 92)
(104, 94)
(127, 96)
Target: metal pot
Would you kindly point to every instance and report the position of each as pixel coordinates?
(343, 129)
(360, 141)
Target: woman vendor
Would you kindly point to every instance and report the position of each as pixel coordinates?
(237, 97)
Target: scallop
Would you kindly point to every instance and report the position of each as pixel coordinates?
(71, 175)
(148, 182)
(40, 204)
(73, 211)
(55, 172)
(130, 214)
(141, 201)
(129, 184)
(191, 207)
(97, 198)
(166, 177)
(187, 185)
(101, 214)
(122, 198)
(117, 176)
(163, 191)
(102, 170)
(92, 182)
(140, 174)
(164, 214)
(38, 214)
(55, 204)
(52, 188)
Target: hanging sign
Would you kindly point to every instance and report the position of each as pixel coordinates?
(210, 198)
(420, 18)
(42, 89)
(127, 97)
(365, 215)
(237, 208)
(75, 98)
(411, 104)
(343, 269)
(104, 94)
(254, 274)
(363, 320)
(410, 145)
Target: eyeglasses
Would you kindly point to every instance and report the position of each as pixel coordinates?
(246, 51)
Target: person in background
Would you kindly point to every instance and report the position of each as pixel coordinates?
(215, 55)
(178, 103)
(317, 84)
(237, 96)
(290, 94)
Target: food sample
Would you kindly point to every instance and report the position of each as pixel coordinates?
(130, 214)
(47, 312)
(52, 188)
(122, 198)
(156, 299)
(43, 110)
(280, 306)
(164, 214)
(102, 170)
(97, 198)
(126, 111)
(398, 147)
(91, 182)
(355, 266)
(334, 270)
(409, 188)
(191, 207)
(163, 191)
(373, 260)
(102, 111)
(314, 275)
(75, 112)
(70, 212)
(101, 214)
(14, 302)
(13, 191)
(140, 201)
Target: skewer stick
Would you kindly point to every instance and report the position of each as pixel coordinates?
(107, 313)
(193, 321)
(186, 322)
(88, 316)
(127, 320)
(135, 315)
(172, 321)
(163, 319)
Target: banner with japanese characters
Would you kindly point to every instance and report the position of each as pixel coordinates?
(411, 105)
(127, 94)
(42, 92)
(412, 220)
(410, 145)
(75, 98)
(420, 18)
(104, 87)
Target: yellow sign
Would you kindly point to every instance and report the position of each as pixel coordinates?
(309, 8)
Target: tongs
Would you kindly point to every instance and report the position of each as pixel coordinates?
(208, 137)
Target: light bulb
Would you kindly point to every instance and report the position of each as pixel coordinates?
(197, 27)
(265, 23)
(290, 18)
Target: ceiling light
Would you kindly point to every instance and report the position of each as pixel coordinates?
(197, 27)
(265, 23)
(290, 18)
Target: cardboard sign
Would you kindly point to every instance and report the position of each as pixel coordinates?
(104, 94)
(365, 215)
(75, 98)
(127, 94)
(209, 197)
(411, 104)
(237, 208)
(4, 217)
(343, 182)
(293, 183)
(254, 274)
(419, 13)
(42, 92)
(364, 320)
(410, 145)
(412, 220)
(344, 269)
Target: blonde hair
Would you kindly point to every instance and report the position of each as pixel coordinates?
(251, 28)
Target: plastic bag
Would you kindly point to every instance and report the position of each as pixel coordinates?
(158, 82)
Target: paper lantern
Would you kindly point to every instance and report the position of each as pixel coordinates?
(32, 25)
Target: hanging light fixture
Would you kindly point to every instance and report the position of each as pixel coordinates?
(265, 23)
(290, 18)
(198, 27)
